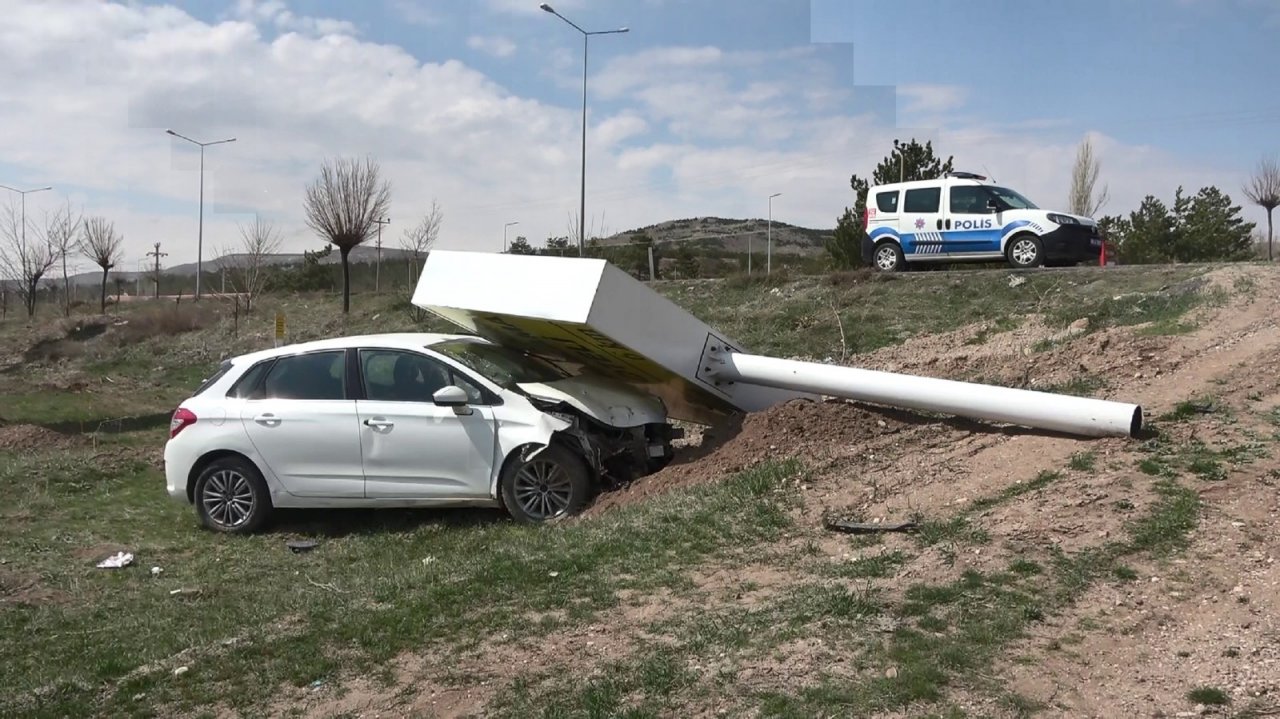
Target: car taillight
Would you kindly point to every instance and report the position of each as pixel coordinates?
(182, 418)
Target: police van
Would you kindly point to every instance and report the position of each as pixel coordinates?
(962, 217)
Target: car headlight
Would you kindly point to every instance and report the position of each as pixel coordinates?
(1061, 219)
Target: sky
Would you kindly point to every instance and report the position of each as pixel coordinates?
(703, 108)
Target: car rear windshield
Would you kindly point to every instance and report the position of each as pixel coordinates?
(503, 366)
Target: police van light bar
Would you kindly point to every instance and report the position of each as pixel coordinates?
(966, 175)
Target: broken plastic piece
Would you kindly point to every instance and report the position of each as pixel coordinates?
(116, 561)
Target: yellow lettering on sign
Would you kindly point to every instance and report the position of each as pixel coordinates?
(572, 342)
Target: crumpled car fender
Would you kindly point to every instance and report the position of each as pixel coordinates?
(514, 435)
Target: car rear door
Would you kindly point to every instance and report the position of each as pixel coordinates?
(921, 221)
(412, 448)
(969, 227)
(302, 423)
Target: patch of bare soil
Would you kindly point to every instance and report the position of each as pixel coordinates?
(27, 437)
(25, 588)
(812, 430)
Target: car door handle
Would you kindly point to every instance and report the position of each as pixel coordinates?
(939, 224)
(379, 423)
(267, 419)
(948, 223)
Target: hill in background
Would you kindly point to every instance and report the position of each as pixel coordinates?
(728, 236)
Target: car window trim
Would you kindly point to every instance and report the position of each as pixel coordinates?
(490, 398)
(258, 393)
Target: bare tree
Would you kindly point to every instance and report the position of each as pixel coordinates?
(63, 230)
(1263, 190)
(247, 264)
(101, 243)
(1084, 181)
(343, 205)
(418, 240)
(25, 257)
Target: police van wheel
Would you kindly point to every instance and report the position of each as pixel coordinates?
(1025, 251)
(888, 257)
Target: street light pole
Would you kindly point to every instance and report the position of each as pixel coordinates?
(504, 235)
(582, 197)
(769, 237)
(200, 231)
(24, 194)
(902, 160)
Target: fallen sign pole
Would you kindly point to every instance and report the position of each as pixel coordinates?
(588, 313)
(1042, 410)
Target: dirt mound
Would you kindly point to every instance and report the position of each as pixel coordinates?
(22, 437)
(800, 428)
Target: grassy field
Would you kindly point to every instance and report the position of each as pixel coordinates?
(237, 623)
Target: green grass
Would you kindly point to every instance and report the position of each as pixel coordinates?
(1083, 461)
(1211, 696)
(379, 583)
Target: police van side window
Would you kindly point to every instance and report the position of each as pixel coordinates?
(969, 200)
(887, 201)
(924, 199)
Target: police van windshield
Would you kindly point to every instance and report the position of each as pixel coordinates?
(1011, 199)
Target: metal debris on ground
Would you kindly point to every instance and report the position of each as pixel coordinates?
(870, 527)
(1015, 280)
(298, 546)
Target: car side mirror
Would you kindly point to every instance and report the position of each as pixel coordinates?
(452, 396)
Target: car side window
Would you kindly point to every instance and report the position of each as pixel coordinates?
(968, 200)
(249, 386)
(887, 201)
(398, 376)
(313, 376)
(922, 199)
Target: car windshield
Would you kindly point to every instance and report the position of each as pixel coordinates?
(1011, 199)
(503, 366)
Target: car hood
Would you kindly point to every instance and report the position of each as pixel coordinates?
(610, 401)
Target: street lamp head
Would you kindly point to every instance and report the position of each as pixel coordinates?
(547, 7)
(776, 194)
(171, 132)
(624, 29)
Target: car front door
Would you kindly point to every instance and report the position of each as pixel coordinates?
(304, 427)
(969, 227)
(412, 448)
(920, 222)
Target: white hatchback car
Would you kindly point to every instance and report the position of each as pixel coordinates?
(406, 420)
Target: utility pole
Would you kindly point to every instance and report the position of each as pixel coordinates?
(902, 160)
(156, 253)
(769, 237)
(377, 272)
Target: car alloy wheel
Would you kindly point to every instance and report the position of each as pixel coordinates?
(887, 257)
(1025, 252)
(228, 499)
(543, 489)
(231, 496)
(552, 484)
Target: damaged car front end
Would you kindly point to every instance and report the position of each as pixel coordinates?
(618, 432)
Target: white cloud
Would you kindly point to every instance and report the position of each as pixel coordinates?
(713, 133)
(927, 99)
(276, 13)
(495, 45)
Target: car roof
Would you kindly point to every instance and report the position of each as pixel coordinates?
(930, 183)
(405, 340)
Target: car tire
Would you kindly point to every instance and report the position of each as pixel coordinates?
(231, 496)
(550, 485)
(888, 257)
(1025, 251)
